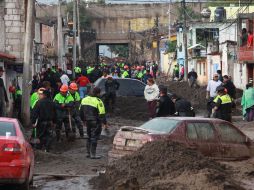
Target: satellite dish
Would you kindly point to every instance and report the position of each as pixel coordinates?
(206, 13)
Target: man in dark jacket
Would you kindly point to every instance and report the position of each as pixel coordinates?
(92, 112)
(3, 95)
(43, 116)
(229, 85)
(165, 106)
(183, 107)
(192, 77)
(111, 86)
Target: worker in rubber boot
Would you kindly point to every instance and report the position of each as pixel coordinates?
(63, 102)
(222, 105)
(73, 91)
(44, 115)
(92, 111)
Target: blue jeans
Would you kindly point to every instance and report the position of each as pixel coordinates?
(82, 92)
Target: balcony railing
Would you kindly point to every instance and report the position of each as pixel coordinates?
(246, 53)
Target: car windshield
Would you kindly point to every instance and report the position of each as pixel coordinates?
(7, 129)
(160, 125)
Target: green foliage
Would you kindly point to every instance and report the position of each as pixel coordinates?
(171, 46)
(85, 19)
(190, 14)
(119, 50)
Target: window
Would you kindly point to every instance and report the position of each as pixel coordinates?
(137, 87)
(230, 134)
(7, 128)
(160, 125)
(200, 131)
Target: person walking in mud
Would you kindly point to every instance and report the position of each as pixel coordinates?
(92, 112)
(44, 115)
(151, 94)
(111, 86)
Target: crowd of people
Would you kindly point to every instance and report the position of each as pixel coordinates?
(59, 100)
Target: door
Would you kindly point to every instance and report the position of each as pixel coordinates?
(234, 144)
(202, 136)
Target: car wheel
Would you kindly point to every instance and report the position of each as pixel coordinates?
(25, 185)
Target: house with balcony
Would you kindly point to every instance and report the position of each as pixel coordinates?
(210, 48)
(245, 67)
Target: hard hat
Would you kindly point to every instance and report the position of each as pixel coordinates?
(73, 86)
(138, 68)
(64, 88)
(125, 67)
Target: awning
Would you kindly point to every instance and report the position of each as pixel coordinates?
(6, 56)
(197, 46)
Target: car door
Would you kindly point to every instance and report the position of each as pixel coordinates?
(202, 136)
(234, 144)
(125, 88)
(137, 87)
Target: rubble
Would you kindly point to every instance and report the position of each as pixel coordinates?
(165, 165)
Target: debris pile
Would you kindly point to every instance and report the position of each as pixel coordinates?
(165, 165)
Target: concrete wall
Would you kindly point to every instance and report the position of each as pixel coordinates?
(14, 28)
(2, 27)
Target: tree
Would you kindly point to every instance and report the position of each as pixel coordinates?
(85, 19)
(120, 50)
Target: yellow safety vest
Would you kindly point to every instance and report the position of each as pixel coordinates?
(94, 102)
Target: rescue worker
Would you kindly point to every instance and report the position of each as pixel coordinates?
(125, 73)
(73, 88)
(17, 102)
(77, 70)
(165, 106)
(183, 107)
(223, 105)
(44, 115)
(92, 111)
(35, 97)
(111, 86)
(63, 102)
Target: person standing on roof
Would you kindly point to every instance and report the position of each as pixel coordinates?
(92, 112)
(211, 92)
(83, 81)
(151, 95)
(223, 105)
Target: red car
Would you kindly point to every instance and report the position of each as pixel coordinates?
(212, 137)
(16, 155)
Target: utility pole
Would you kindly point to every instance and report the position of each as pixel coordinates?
(185, 42)
(60, 35)
(74, 50)
(130, 48)
(157, 38)
(79, 36)
(28, 49)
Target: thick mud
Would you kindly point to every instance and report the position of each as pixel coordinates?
(165, 165)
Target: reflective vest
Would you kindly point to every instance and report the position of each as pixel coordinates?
(90, 70)
(77, 70)
(94, 102)
(125, 74)
(59, 98)
(225, 99)
(76, 96)
(33, 99)
(139, 75)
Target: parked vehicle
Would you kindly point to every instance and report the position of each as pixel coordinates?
(16, 155)
(212, 137)
(128, 87)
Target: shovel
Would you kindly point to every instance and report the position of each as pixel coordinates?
(34, 140)
(71, 134)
